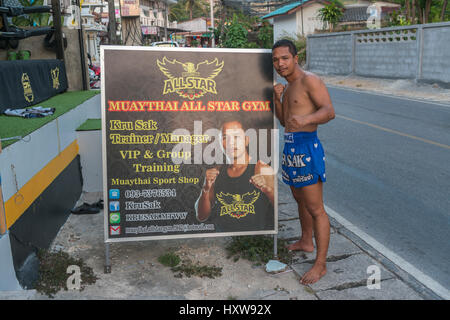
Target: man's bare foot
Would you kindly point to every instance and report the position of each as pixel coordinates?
(314, 274)
(301, 245)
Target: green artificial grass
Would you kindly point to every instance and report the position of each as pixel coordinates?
(90, 125)
(64, 102)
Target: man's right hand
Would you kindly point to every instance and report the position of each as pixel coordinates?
(278, 90)
(210, 178)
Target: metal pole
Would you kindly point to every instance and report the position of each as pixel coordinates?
(420, 44)
(107, 260)
(166, 16)
(275, 247)
(56, 8)
(2, 208)
(82, 52)
(112, 22)
(213, 40)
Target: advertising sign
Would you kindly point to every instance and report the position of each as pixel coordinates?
(188, 143)
(129, 8)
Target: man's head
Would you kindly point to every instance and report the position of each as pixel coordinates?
(234, 140)
(286, 43)
(284, 57)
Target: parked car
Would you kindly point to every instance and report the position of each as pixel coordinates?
(165, 44)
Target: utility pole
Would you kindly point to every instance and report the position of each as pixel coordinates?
(213, 40)
(56, 9)
(166, 16)
(112, 35)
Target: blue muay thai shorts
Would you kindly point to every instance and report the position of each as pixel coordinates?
(303, 159)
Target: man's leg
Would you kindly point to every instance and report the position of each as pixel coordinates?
(312, 197)
(306, 223)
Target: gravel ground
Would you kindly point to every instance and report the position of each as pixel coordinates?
(399, 87)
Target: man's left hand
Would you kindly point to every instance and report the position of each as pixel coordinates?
(297, 121)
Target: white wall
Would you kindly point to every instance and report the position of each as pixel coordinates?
(196, 25)
(283, 25)
(292, 24)
(310, 20)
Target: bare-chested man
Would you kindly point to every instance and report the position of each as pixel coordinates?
(305, 104)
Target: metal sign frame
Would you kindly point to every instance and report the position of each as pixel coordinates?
(274, 157)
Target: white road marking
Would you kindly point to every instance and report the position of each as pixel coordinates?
(395, 132)
(390, 95)
(432, 284)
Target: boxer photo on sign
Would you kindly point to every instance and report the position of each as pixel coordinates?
(238, 196)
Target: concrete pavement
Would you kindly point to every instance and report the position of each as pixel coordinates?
(137, 274)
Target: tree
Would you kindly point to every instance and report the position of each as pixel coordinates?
(265, 35)
(187, 10)
(190, 5)
(236, 35)
(424, 11)
(444, 9)
(331, 13)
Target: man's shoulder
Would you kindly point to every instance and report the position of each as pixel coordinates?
(311, 79)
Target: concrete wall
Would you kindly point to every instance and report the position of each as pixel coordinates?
(389, 55)
(331, 55)
(436, 54)
(195, 25)
(420, 52)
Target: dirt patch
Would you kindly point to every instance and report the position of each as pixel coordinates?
(399, 87)
(136, 272)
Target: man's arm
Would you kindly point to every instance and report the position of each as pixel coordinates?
(278, 90)
(203, 205)
(264, 180)
(318, 93)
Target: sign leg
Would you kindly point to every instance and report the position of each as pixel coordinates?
(107, 259)
(275, 247)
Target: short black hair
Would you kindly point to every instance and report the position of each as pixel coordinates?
(241, 122)
(286, 43)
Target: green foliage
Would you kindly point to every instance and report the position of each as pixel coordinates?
(185, 10)
(53, 272)
(331, 13)
(32, 19)
(434, 15)
(236, 35)
(169, 259)
(189, 269)
(252, 45)
(257, 249)
(396, 19)
(265, 35)
(300, 44)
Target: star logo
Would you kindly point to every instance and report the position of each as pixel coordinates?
(190, 80)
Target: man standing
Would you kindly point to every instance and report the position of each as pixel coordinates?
(305, 104)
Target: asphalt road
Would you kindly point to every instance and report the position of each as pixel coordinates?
(388, 174)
